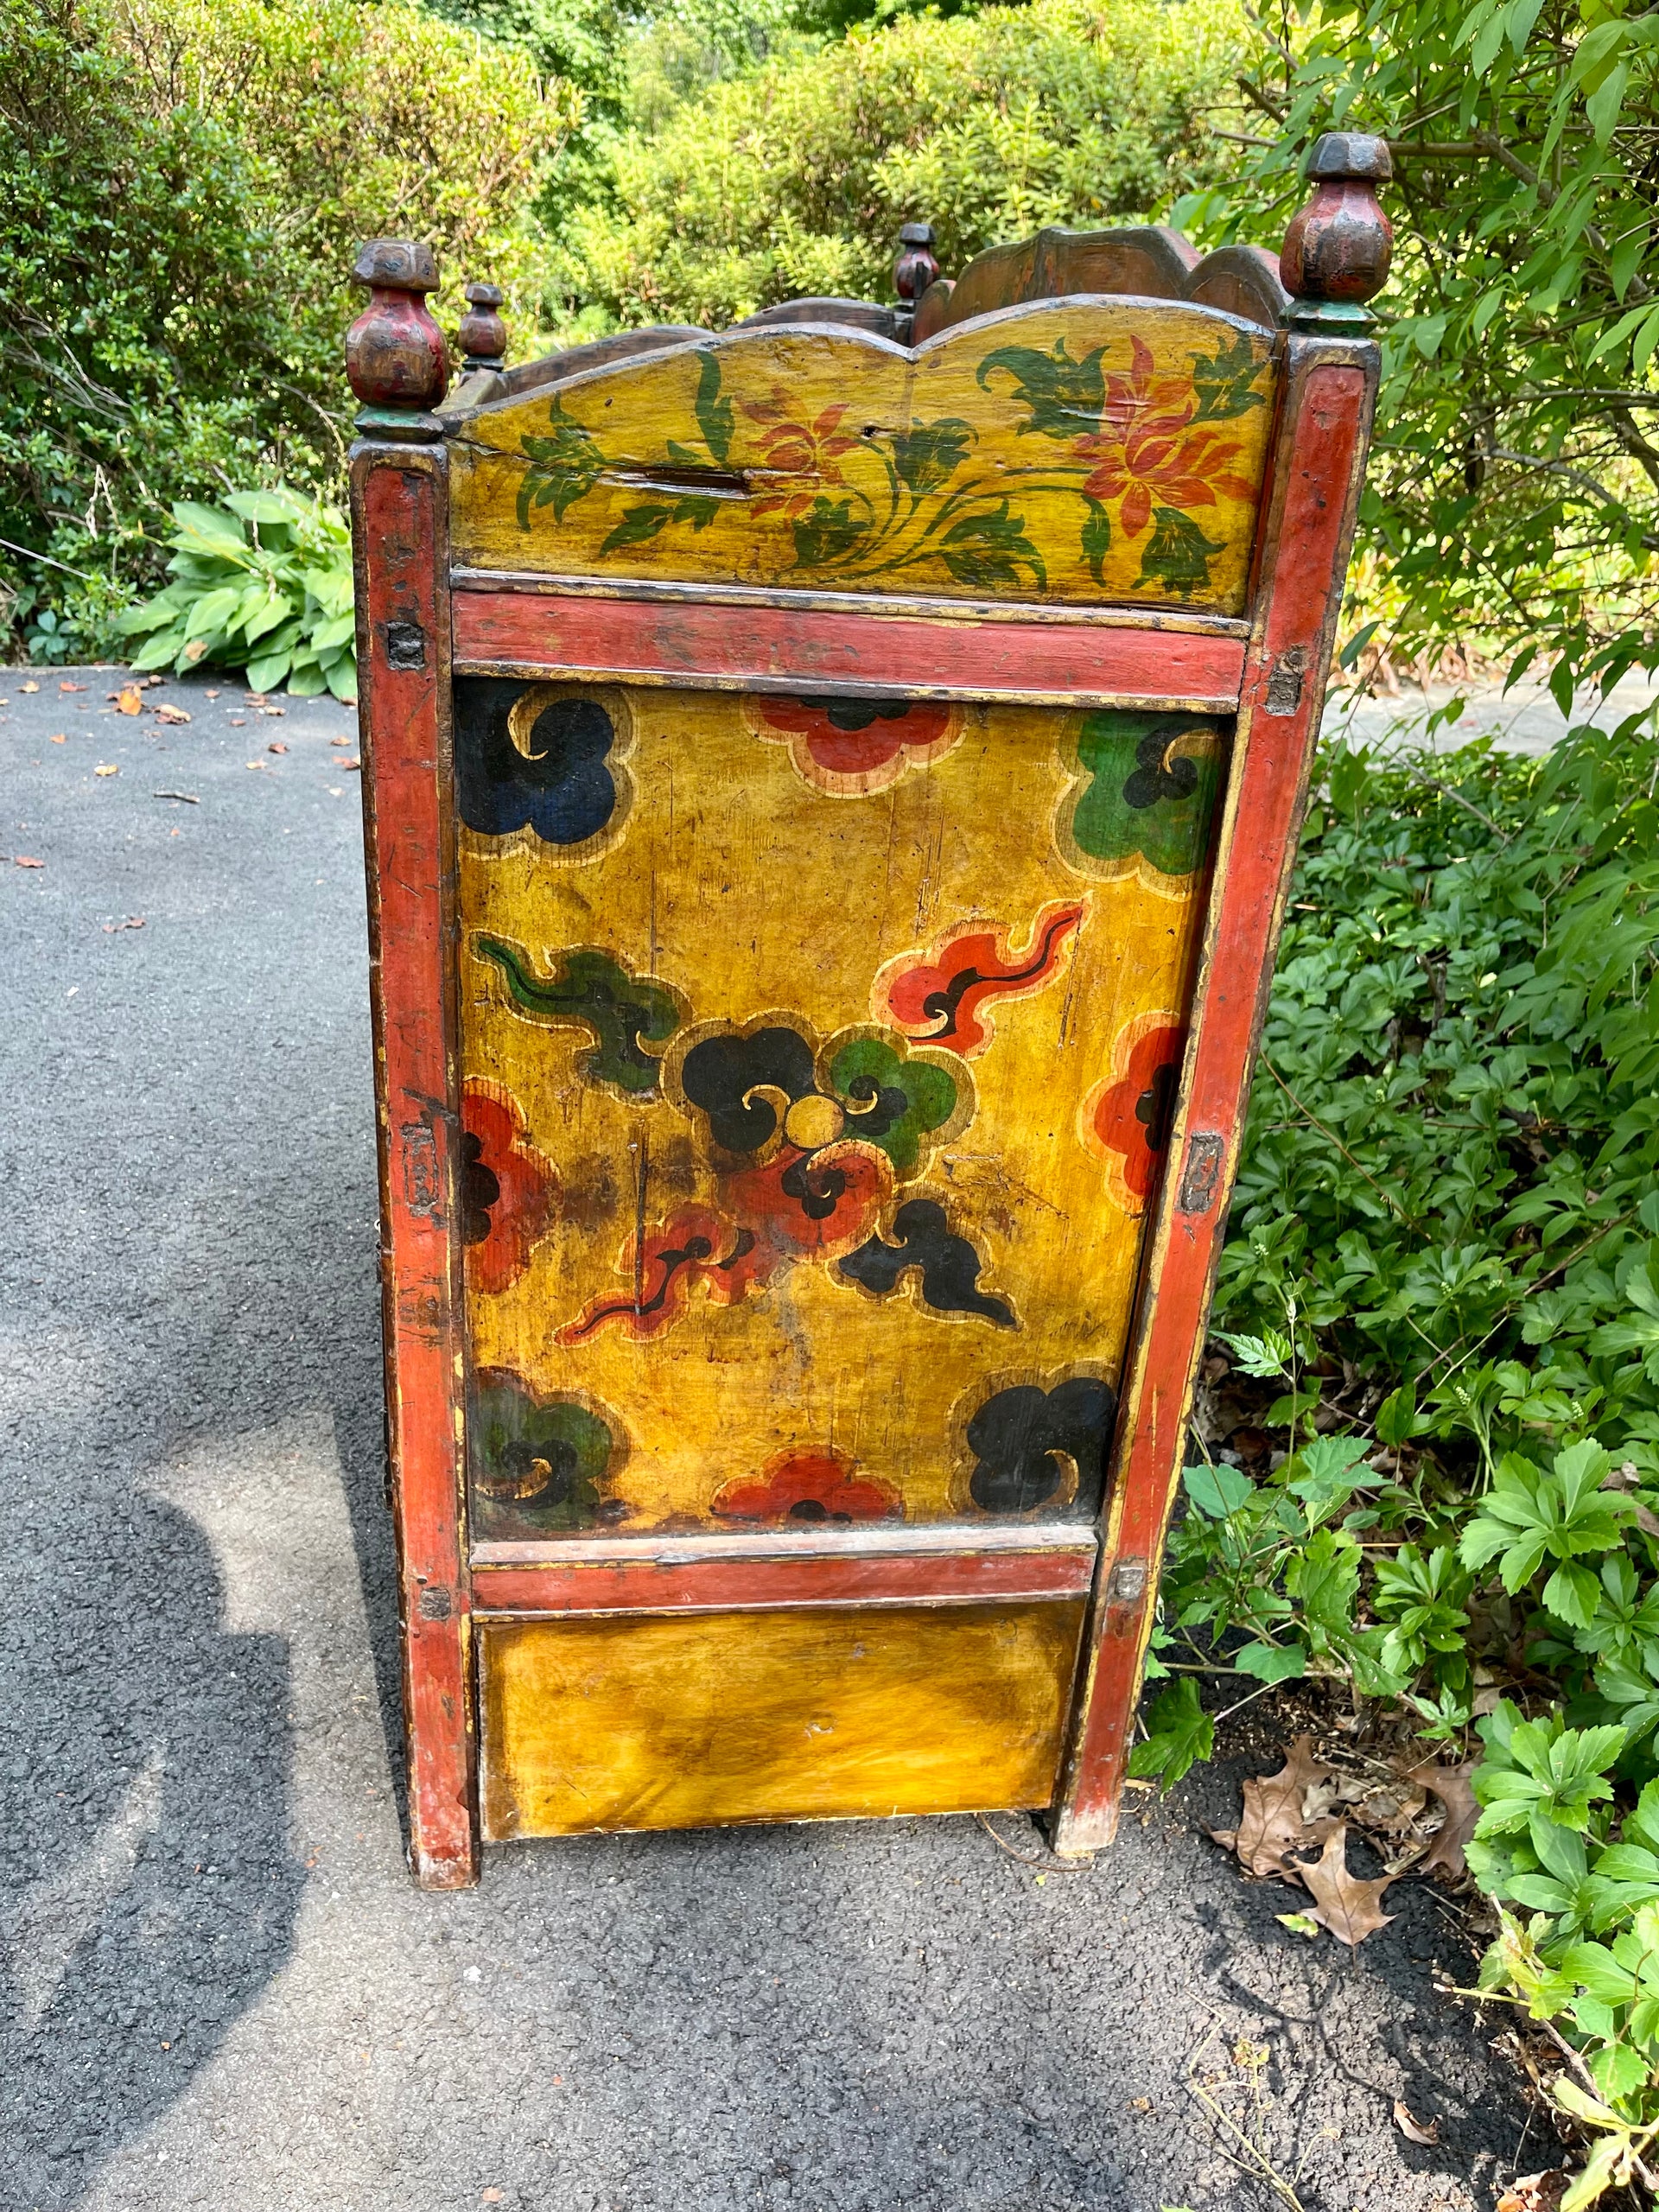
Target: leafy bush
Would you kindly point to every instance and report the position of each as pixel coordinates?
(1442, 1283)
(180, 192)
(795, 178)
(264, 584)
(1514, 489)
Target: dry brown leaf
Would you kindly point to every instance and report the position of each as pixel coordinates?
(66, 686)
(1415, 2130)
(340, 740)
(1342, 1901)
(132, 922)
(1536, 2192)
(60, 741)
(1451, 1785)
(26, 860)
(1273, 1822)
(130, 700)
(169, 713)
(107, 768)
(351, 762)
(29, 687)
(276, 746)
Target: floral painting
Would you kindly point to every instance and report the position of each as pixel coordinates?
(1060, 454)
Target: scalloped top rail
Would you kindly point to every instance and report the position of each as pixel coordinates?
(1151, 260)
(1100, 450)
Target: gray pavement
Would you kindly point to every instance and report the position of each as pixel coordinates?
(220, 1988)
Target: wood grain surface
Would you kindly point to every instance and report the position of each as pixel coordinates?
(724, 1718)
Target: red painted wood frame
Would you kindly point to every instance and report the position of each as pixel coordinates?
(411, 633)
(400, 515)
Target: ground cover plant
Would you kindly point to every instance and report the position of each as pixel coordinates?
(1430, 1428)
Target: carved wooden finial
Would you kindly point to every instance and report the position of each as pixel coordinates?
(395, 354)
(483, 334)
(1336, 250)
(916, 267)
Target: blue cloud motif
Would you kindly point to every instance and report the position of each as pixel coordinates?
(560, 786)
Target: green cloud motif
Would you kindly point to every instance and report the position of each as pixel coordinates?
(893, 1101)
(1151, 793)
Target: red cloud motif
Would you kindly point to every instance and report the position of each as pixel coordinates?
(850, 748)
(507, 1189)
(938, 997)
(806, 1488)
(1127, 1118)
(696, 1245)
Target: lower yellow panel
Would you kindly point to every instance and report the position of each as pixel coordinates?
(669, 1722)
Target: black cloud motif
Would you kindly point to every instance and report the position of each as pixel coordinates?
(719, 1074)
(1153, 777)
(564, 790)
(1016, 1435)
(858, 713)
(949, 1264)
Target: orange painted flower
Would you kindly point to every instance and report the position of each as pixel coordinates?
(1146, 449)
(804, 449)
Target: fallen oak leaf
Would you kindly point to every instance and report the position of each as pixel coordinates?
(1415, 2130)
(29, 687)
(276, 746)
(166, 712)
(1451, 1785)
(129, 700)
(1342, 1901)
(1272, 1822)
(350, 763)
(59, 739)
(1541, 2192)
(26, 860)
(66, 686)
(107, 768)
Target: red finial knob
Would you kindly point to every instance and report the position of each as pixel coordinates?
(1336, 250)
(483, 334)
(395, 354)
(916, 268)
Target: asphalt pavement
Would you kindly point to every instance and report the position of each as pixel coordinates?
(220, 1988)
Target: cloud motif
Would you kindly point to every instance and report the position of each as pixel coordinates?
(1027, 1443)
(1147, 798)
(539, 757)
(850, 748)
(539, 1466)
(946, 1266)
(728, 1076)
(806, 1488)
(1126, 1118)
(589, 990)
(507, 1191)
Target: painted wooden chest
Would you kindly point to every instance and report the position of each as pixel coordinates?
(831, 787)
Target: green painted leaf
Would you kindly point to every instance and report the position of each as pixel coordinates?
(638, 526)
(1178, 554)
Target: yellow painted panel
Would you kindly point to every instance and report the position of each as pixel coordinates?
(817, 1058)
(1067, 451)
(674, 1722)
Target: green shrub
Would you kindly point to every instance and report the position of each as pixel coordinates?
(264, 584)
(1443, 1262)
(181, 188)
(795, 178)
